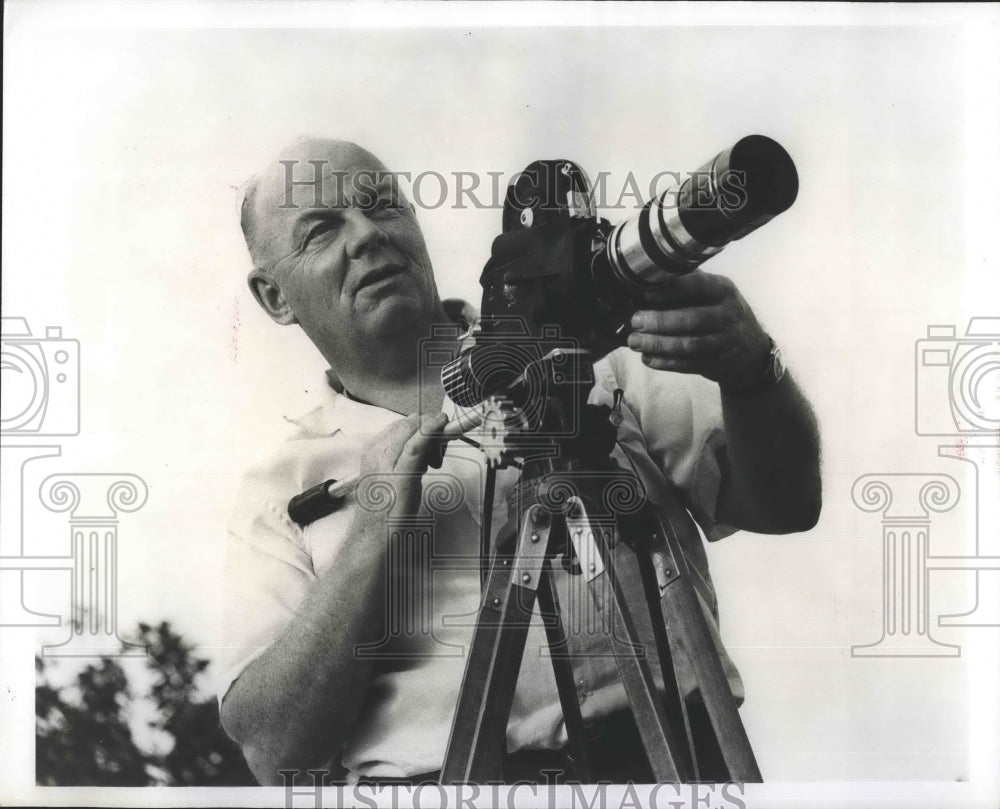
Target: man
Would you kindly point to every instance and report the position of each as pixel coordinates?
(319, 674)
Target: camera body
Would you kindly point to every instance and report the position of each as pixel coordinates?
(958, 379)
(41, 381)
(558, 264)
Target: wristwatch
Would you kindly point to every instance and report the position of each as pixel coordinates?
(772, 372)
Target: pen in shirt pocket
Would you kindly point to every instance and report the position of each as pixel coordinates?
(326, 497)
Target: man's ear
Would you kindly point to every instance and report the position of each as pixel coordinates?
(270, 297)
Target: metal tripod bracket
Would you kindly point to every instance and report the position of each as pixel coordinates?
(531, 549)
(584, 540)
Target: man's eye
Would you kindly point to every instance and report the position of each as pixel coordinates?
(320, 230)
(388, 206)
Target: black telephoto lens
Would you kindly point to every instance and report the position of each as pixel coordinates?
(732, 195)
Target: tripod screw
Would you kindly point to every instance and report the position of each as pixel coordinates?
(496, 602)
(534, 537)
(592, 567)
(526, 578)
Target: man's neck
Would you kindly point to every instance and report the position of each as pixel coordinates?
(425, 396)
(395, 377)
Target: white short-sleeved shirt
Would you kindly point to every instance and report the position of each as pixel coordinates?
(671, 436)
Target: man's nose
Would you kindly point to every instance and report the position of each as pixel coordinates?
(362, 233)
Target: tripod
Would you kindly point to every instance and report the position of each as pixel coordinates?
(574, 501)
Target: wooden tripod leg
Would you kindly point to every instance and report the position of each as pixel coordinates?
(486, 529)
(476, 745)
(679, 603)
(562, 667)
(662, 746)
(673, 701)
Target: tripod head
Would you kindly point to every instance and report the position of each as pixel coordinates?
(543, 414)
(565, 446)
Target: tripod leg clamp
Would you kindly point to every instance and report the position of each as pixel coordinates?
(581, 534)
(532, 546)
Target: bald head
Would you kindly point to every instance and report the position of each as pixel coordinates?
(338, 251)
(309, 173)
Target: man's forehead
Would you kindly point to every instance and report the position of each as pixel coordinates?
(309, 174)
(315, 171)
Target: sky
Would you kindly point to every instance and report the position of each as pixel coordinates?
(126, 147)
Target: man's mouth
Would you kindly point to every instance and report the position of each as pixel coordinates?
(379, 274)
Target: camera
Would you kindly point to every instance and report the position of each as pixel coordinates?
(557, 264)
(958, 379)
(41, 381)
(526, 364)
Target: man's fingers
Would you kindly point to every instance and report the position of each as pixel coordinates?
(700, 324)
(694, 320)
(415, 452)
(437, 441)
(392, 440)
(686, 347)
(402, 453)
(691, 289)
(677, 364)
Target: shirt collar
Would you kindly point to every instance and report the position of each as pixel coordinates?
(338, 412)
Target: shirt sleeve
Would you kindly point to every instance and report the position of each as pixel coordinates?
(268, 572)
(680, 419)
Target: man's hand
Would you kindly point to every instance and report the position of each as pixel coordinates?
(401, 453)
(702, 325)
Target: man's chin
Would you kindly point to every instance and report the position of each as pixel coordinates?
(392, 314)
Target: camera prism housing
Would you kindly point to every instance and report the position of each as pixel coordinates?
(958, 379)
(41, 381)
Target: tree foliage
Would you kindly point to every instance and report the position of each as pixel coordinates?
(84, 732)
